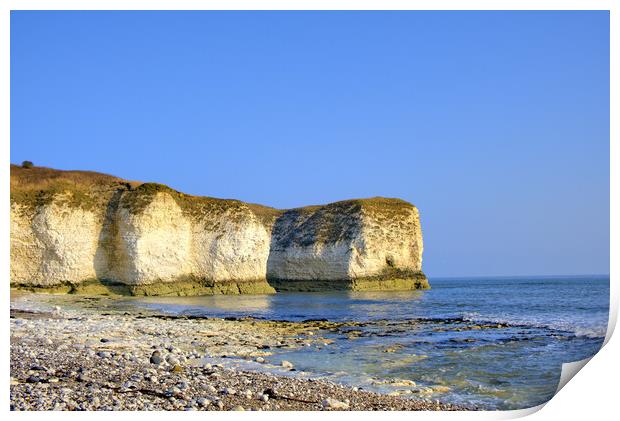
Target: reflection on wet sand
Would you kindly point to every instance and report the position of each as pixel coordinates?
(191, 305)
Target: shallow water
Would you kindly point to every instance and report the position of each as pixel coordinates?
(496, 343)
(545, 322)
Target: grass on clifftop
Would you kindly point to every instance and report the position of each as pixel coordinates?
(375, 203)
(196, 206)
(336, 222)
(381, 207)
(35, 186)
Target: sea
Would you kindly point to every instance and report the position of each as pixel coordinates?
(446, 338)
(489, 343)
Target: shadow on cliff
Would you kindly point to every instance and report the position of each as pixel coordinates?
(293, 236)
(106, 262)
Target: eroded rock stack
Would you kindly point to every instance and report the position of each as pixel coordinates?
(354, 244)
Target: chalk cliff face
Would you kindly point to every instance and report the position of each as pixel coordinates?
(53, 244)
(86, 232)
(356, 244)
(221, 247)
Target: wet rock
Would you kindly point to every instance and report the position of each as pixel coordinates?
(287, 364)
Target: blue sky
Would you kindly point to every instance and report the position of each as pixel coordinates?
(495, 124)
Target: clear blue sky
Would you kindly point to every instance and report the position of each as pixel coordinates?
(495, 124)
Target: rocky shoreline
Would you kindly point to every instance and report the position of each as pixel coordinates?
(89, 360)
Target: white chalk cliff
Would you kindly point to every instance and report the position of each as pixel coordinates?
(75, 231)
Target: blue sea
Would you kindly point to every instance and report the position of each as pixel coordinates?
(496, 343)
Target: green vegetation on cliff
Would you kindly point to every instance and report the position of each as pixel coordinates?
(197, 207)
(36, 186)
(32, 187)
(335, 222)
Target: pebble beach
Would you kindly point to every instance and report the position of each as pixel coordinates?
(89, 359)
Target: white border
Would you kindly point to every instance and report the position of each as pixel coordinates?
(578, 400)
